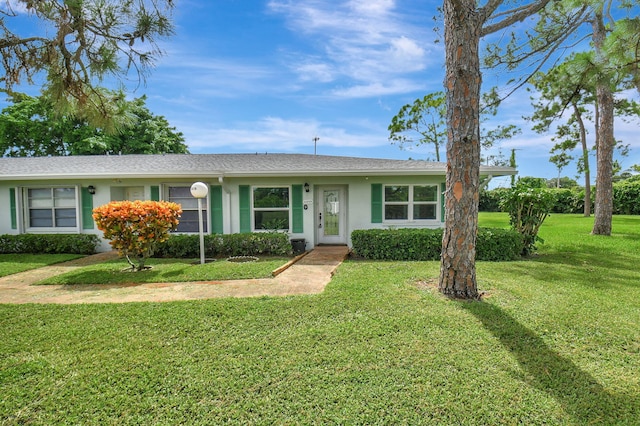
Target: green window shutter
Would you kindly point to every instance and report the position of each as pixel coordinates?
(376, 203)
(13, 208)
(297, 225)
(87, 208)
(155, 193)
(245, 208)
(443, 187)
(215, 208)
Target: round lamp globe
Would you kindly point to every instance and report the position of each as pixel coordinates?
(199, 190)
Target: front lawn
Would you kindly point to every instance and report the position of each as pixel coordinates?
(14, 263)
(168, 270)
(555, 341)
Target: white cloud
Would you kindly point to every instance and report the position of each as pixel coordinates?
(372, 7)
(359, 43)
(378, 89)
(315, 71)
(9, 6)
(224, 78)
(407, 53)
(275, 134)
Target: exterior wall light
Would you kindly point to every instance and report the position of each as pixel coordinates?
(91, 189)
(306, 187)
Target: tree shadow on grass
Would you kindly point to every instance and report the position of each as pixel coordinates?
(595, 270)
(580, 394)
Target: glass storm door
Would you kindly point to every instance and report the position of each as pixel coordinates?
(331, 216)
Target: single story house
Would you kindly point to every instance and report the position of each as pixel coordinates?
(318, 198)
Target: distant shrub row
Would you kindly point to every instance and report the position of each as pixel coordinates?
(626, 199)
(49, 243)
(258, 243)
(493, 244)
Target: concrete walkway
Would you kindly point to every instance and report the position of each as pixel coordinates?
(309, 275)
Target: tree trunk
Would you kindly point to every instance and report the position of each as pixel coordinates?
(585, 160)
(604, 168)
(606, 141)
(462, 81)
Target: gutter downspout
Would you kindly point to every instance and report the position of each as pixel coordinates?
(226, 206)
(486, 182)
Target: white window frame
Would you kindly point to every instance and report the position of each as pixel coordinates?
(166, 187)
(26, 209)
(255, 209)
(410, 203)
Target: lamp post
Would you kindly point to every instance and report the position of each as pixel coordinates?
(200, 190)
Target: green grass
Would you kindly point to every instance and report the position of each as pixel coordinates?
(168, 270)
(555, 341)
(14, 263)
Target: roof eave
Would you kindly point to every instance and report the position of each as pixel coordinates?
(484, 171)
(76, 176)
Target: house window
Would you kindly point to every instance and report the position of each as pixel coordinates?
(410, 202)
(271, 208)
(52, 207)
(189, 221)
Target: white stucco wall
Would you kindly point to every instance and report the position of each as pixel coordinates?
(357, 191)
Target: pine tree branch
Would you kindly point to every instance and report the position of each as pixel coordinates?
(512, 16)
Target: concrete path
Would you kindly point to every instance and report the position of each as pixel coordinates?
(309, 275)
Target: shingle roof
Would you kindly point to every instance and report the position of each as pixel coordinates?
(215, 165)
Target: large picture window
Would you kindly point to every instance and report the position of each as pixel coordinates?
(189, 218)
(52, 207)
(410, 202)
(271, 207)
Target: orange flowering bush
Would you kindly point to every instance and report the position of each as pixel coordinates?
(135, 228)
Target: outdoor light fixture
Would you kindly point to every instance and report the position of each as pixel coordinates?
(306, 187)
(200, 190)
(91, 189)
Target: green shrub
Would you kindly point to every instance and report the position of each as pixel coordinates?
(490, 199)
(496, 244)
(258, 243)
(626, 197)
(567, 200)
(397, 244)
(570, 200)
(528, 207)
(426, 244)
(49, 243)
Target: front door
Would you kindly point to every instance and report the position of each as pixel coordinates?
(331, 215)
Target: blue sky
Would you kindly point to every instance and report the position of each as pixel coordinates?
(270, 75)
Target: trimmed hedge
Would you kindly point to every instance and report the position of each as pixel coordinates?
(257, 243)
(490, 199)
(493, 244)
(626, 197)
(49, 243)
(497, 244)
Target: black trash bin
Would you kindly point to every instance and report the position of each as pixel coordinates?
(298, 245)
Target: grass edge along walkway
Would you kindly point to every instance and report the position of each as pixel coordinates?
(309, 275)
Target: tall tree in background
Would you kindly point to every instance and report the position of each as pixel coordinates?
(77, 45)
(560, 160)
(605, 141)
(566, 87)
(427, 117)
(31, 128)
(566, 93)
(617, 58)
(615, 36)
